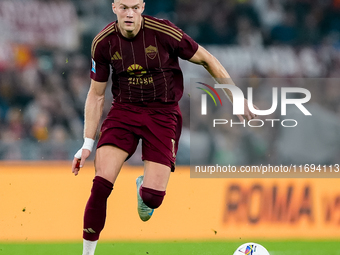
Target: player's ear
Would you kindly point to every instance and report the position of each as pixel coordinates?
(143, 7)
(114, 8)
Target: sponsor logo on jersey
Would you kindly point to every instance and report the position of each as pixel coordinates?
(93, 66)
(140, 81)
(151, 51)
(136, 70)
(116, 56)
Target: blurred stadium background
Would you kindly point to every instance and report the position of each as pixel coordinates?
(45, 60)
(44, 79)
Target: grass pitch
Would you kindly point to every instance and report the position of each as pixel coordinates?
(172, 248)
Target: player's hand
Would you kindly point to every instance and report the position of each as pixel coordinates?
(247, 113)
(79, 162)
(81, 155)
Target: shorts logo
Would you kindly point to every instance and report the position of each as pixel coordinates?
(136, 70)
(173, 148)
(93, 66)
(151, 51)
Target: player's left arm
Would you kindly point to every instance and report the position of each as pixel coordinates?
(220, 74)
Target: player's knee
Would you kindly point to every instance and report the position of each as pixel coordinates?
(152, 198)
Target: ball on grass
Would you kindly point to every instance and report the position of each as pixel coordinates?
(251, 249)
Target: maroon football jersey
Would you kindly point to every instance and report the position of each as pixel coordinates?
(144, 68)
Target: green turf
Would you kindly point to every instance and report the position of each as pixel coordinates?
(171, 248)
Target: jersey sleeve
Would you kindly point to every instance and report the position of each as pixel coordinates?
(187, 47)
(183, 44)
(100, 68)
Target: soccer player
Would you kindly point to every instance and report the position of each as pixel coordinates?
(147, 84)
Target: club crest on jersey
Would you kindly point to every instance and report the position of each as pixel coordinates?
(93, 66)
(136, 70)
(151, 51)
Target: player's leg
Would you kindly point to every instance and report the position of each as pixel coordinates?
(108, 162)
(151, 188)
(117, 142)
(159, 147)
(156, 175)
(155, 181)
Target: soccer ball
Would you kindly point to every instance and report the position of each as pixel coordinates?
(251, 249)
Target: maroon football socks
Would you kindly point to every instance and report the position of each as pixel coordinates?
(152, 198)
(95, 210)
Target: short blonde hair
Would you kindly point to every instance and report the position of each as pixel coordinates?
(117, 1)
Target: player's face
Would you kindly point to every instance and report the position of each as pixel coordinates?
(129, 15)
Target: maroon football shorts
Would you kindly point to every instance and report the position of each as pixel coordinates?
(158, 127)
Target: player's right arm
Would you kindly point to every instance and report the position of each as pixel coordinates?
(93, 112)
(100, 72)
